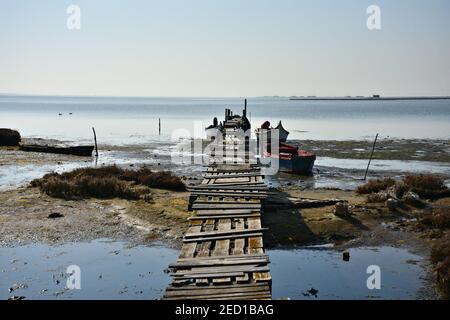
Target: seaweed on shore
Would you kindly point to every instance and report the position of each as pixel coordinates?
(106, 182)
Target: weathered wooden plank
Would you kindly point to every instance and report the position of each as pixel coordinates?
(202, 187)
(225, 200)
(231, 236)
(204, 206)
(226, 211)
(232, 175)
(227, 257)
(262, 276)
(239, 243)
(256, 267)
(231, 194)
(254, 223)
(219, 262)
(219, 272)
(188, 249)
(231, 216)
(220, 233)
(255, 245)
(228, 296)
(222, 247)
(208, 275)
(194, 288)
(241, 184)
(211, 290)
(203, 248)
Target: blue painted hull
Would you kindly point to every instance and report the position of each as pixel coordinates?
(298, 164)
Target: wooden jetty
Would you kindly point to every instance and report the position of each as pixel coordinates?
(223, 256)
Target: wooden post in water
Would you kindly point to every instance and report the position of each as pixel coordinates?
(95, 140)
(159, 122)
(371, 155)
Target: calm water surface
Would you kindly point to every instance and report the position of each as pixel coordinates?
(113, 270)
(135, 120)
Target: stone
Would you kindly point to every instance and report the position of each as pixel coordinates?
(392, 204)
(341, 209)
(411, 197)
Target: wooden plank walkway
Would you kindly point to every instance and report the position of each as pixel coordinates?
(222, 256)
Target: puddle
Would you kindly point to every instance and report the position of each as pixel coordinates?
(295, 272)
(112, 270)
(109, 270)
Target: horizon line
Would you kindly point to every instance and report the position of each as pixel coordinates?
(294, 97)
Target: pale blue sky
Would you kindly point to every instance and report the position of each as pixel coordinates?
(225, 48)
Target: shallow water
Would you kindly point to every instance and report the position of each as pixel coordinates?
(329, 172)
(294, 272)
(135, 120)
(112, 270)
(109, 270)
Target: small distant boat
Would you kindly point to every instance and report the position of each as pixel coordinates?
(291, 158)
(82, 151)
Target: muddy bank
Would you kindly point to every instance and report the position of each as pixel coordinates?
(28, 216)
(24, 217)
(386, 149)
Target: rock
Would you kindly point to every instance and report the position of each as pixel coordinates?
(381, 196)
(392, 204)
(346, 256)
(9, 137)
(411, 198)
(313, 292)
(341, 209)
(16, 298)
(148, 198)
(55, 215)
(392, 192)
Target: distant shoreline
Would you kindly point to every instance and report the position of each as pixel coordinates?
(366, 98)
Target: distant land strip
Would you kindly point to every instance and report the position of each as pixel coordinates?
(374, 98)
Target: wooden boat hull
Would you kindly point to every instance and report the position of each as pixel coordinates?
(301, 163)
(82, 151)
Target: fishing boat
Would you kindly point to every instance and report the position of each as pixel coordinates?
(293, 160)
(263, 133)
(214, 129)
(232, 121)
(83, 151)
(290, 158)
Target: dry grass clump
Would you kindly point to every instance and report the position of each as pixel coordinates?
(9, 137)
(374, 186)
(426, 185)
(106, 182)
(87, 187)
(438, 219)
(440, 256)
